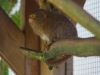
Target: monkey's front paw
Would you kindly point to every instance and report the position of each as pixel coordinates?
(47, 47)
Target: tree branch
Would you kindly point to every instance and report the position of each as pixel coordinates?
(72, 46)
(77, 46)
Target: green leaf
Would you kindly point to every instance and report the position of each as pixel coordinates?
(3, 68)
(16, 18)
(7, 5)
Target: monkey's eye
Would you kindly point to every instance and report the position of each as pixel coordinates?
(31, 16)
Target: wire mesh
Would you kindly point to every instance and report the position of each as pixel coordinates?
(88, 65)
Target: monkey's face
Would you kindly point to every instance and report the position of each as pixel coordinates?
(31, 18)
(37, 16)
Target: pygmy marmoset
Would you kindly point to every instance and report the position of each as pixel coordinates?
(51, 26)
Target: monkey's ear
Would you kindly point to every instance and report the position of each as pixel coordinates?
(43, 16)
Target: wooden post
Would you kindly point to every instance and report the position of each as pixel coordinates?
(31, 40)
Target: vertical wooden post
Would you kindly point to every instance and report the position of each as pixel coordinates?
(31, 40)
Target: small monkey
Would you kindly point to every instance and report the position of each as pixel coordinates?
(51, 26)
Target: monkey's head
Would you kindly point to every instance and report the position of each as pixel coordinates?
(37, 16)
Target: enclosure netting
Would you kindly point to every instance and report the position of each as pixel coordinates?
(87, 65)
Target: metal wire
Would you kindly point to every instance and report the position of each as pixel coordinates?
(89, 65)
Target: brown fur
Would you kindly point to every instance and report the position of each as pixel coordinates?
(52, 26)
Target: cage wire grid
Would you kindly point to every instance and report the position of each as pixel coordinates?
(87, 65)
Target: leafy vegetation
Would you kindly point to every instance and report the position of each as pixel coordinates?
(16, 18)
(7, 5)
(3, 68)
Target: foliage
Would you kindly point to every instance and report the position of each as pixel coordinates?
(3, 68)
(16, 18)
(7, 6)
